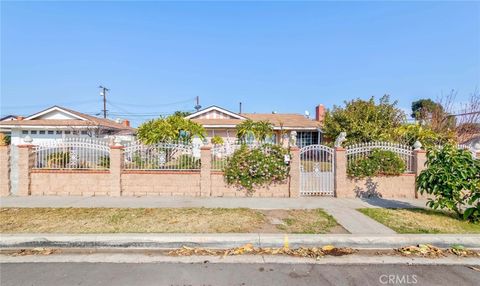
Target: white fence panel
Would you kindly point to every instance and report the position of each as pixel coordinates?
(161, 156)
(361, 150)
(73, 153)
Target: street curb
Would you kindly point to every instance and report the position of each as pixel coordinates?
(241, 259)
(168, 241)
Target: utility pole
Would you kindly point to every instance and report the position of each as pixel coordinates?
(104, 94)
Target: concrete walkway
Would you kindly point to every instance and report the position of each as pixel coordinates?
(186, 202)
(343, 210)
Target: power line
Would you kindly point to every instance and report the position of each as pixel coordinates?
(154, 105)
(125, 112)
(44, 105)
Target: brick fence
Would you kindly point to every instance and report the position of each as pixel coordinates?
(204, 182)
(118, 181)
(402, 186)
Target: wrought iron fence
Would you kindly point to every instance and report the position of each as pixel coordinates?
(72, 153)
(161, 156)
(361, 150)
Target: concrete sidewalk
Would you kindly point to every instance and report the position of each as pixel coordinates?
(343, 210)
(184, 202)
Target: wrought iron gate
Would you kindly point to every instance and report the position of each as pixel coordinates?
(316, 171)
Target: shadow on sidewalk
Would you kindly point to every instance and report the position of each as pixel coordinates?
(391, 203)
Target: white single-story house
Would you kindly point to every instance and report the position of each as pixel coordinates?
(59, 122)
(221, 122)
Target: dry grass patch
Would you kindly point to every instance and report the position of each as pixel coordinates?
(128, 220)
(308, 221)
(420, 221)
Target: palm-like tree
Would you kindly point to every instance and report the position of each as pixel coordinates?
(259, 129)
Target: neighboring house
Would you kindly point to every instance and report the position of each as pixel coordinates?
(471, 134)
(10, 117)
(58, 122)
(221, 122)
(473, 142)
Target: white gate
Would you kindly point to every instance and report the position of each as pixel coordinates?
(316, 171)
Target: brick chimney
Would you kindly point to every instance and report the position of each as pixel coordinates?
(320, 112)
(126, 123)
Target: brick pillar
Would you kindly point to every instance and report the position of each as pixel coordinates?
(420, 158)
(4, 170)
(25, 164)
(294, 191)
(340, 175)
(116, 166)
(205, 171)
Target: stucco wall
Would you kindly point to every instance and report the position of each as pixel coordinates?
(66, 183)
(386, 187)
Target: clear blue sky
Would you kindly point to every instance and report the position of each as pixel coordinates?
(279, 56)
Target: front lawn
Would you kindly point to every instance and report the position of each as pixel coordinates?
(420, 221)
(164, 220)
(308, 221)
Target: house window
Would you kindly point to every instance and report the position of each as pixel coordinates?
(50, 131)
(305, 138)
(24, 131)
(272, 139)
(33, 132)
(41, 132)
(75, 132)
(84, 132)
(59, 132)
(67, 132)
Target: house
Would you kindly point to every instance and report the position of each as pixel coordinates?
(59, 122)
(470, 134)
(221, 122)
(10, 117)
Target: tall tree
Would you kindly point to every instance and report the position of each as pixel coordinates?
(181, 113)
(172, 128)
(424, 109)
(364, 120)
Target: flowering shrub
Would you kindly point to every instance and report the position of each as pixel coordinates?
(378, 162)
(256, 167)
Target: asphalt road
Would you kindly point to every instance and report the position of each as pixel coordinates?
(232, 274)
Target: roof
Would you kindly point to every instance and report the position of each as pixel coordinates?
(8, 117)
(214, 116)
(229, 113)
(81, 120)
(286, 120)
